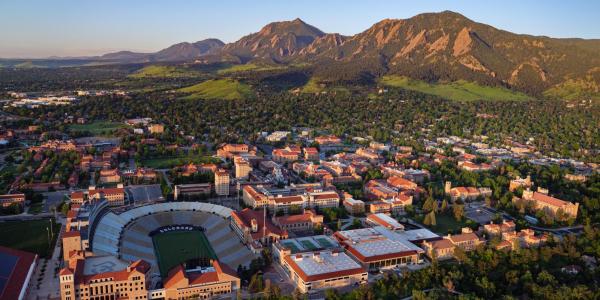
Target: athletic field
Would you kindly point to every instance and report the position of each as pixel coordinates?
(176, 247)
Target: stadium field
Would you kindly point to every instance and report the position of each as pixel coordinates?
(176, 247)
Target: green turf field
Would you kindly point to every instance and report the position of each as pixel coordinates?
(176, 247)
(29, 236)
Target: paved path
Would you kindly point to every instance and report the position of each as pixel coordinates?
(49, 285)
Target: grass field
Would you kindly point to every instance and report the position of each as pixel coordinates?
(97, 128)
(169, 162)
(459, 90)
(227, 89)
(447, 222)
(157, 71)
(248, 67)
(28, 235)
(312, 87)
(176, 247)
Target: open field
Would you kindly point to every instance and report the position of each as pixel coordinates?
(169, 162)
(97, 128)
(28, 235)
(248, 67)
(176, 247)
(459, 90)
(445, 223)
(158, 71)
(227, 89)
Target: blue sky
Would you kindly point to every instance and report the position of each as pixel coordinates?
(42, 28)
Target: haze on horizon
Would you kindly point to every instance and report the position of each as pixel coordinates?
(40, 29)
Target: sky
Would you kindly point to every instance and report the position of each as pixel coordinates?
(44, 28)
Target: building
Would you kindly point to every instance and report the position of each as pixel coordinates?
(71, 241)
(385, 221)
(110, 176)
(518, 182)
(550, 205)
(222, 182)
(473, 167)
(277, 136)
(466, 193)
(525, 238)
(354, 206)
(255, 229)
(10, 199)
(306, 221)
(114, 196)
(17, 269)
(242, 168)
(230, 150)
(156, 128)
(192, 190)
(323, 269)
(311, 154)
(83, 279)
(498, 229)
(377, 207)
(203, 283)
(444, 248)
(323, 199)
(401, 183)
(285, 155)
(378, 247)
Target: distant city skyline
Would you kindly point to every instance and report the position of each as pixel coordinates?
(40, 29)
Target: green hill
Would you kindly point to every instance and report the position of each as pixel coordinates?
(159, 71)
(459, 90)
(248, 67)
(227, 89)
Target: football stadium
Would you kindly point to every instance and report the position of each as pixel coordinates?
(167, 235)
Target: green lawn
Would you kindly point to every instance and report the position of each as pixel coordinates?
(97, 128)
(158, 71)
(28, 235)
(248, 67)
(227, 89)
(459, 90)
(447, 222)
(176, 247)
(170, 162)
(312, 87)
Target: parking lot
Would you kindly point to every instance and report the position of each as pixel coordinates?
(144, 193)
(477, 213)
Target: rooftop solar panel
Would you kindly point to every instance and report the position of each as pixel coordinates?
(7, 264)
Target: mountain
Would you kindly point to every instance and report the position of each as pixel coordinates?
(433, 46)
(188, 51)
(277, 41)
(179, 52)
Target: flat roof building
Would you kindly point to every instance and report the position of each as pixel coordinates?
(323, 269)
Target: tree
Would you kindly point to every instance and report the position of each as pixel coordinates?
(459, 211)
(444, 205)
